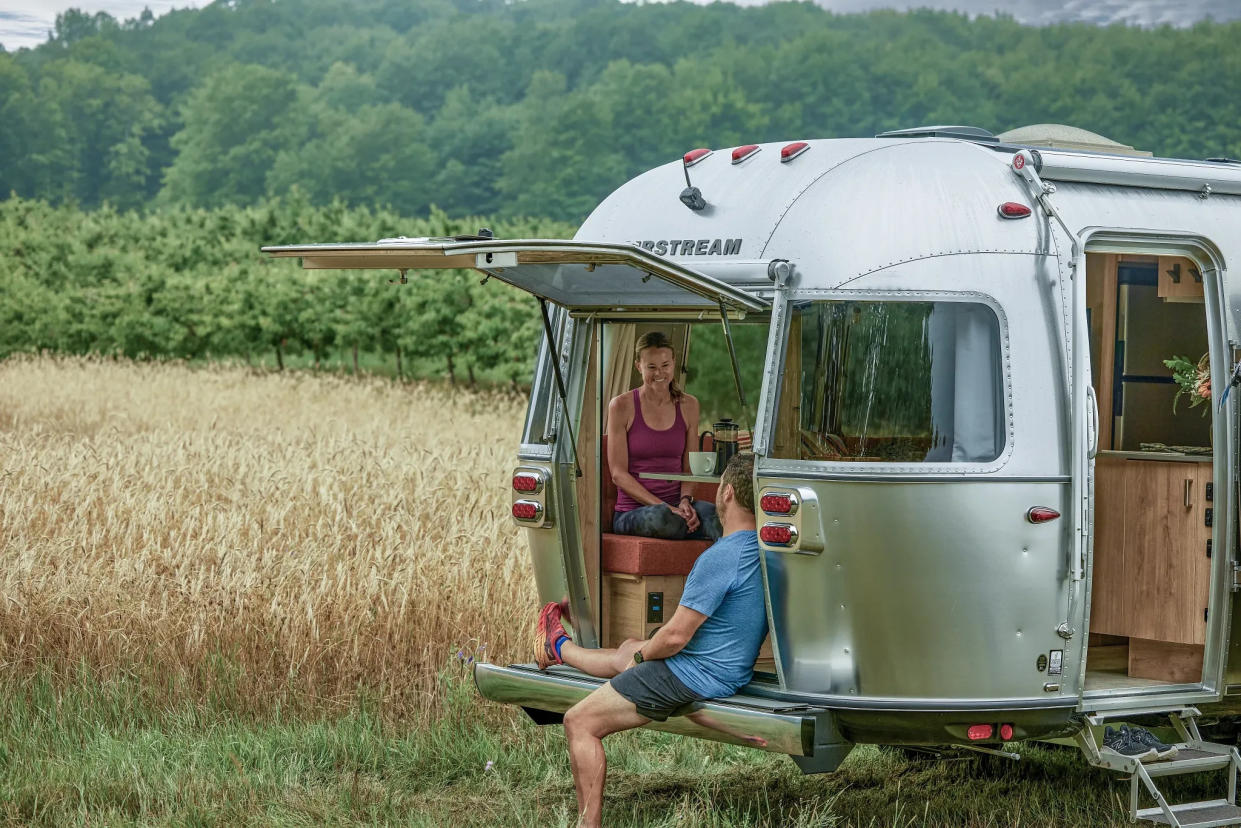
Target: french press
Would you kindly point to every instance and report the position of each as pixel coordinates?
(726, 434)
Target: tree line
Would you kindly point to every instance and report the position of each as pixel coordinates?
(542, 107)
(190, 283)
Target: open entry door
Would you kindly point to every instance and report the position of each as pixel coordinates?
(581, 277)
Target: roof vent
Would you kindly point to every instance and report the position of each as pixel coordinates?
(965, 133)
(1061, 136)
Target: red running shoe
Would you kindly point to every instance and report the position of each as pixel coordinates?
(547, 631)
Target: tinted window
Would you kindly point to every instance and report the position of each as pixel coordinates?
(895, 382)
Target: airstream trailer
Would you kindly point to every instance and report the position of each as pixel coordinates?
(987, 512)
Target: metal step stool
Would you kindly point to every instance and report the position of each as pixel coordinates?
(1194, 755)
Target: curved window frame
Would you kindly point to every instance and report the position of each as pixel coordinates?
(878, 469)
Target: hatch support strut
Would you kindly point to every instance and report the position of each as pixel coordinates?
(564, 402)
(732, 356)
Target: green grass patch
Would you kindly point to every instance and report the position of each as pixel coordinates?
(81, 752)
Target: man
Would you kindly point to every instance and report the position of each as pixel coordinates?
(707, 650)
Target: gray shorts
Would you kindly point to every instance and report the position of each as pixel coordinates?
(655, 690)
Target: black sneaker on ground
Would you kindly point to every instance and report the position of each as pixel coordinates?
(1144, 737)
(1122, 742)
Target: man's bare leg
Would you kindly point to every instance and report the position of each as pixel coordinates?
(706, 720)
(601, 713)
(601, 663)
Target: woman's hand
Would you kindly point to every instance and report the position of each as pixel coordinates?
(687, 512)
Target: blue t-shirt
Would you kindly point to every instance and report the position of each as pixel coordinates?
(726, 585)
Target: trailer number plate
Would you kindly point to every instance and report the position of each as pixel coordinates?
(1055, 663)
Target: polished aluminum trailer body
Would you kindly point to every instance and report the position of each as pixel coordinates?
(919, 598)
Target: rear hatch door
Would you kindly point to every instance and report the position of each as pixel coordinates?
(583, 277)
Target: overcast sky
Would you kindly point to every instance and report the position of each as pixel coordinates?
(27, 22)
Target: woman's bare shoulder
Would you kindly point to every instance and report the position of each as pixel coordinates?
(689, 401)
(621, 405)
(621, 401)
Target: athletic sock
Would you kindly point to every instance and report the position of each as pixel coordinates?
(560, 643)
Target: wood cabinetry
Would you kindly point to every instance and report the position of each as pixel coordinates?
(1151, 577)
(635, 606)
(1179, 280)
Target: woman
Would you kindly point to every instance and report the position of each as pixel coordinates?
(650, 430)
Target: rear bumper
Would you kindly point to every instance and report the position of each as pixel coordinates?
(790, 728)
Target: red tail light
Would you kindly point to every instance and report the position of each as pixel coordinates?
(776, 504)
(527, 510)
(1041, 514)
(526, 483)
(1006, 732)
(695, 155)
(790, 151)
(1013, 210)
(778, 534)
(981, 731)
(742, 153)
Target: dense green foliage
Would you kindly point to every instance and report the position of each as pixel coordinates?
(191, 283)
(542, 107)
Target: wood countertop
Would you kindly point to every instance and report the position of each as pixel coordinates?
(1166, 456)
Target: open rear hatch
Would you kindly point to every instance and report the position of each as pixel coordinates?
(583, 277)
(602, 278)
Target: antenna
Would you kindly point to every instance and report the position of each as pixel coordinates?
(691, 196)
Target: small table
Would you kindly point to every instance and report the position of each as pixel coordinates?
(692, 478)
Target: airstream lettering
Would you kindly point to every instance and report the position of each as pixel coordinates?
(693, 247)
(986, 381)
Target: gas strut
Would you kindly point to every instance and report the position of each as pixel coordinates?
(564, 403)
(732, 356)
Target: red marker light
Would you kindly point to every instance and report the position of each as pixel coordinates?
(1041, 514)
(1019, 161)
(778, 534)
(1006, 732)
(1013, 210)
(790, 151)
(695, 155)
(742, 153)
(526, 510)
(526, 483)
(776, 504)
(977, 732)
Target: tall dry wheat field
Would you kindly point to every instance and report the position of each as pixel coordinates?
(289, 539)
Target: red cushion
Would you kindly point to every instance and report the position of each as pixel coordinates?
(650, 556)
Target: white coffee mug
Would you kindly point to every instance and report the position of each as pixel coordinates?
(702, 462)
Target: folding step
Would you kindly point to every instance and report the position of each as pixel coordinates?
(1194, 755)
(1196, 814)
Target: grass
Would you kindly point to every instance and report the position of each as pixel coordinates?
(85, 752)
(238, 598)
(316, 534)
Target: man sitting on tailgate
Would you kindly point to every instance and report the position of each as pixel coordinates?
(707, 650)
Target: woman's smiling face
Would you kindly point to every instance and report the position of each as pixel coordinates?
(657, 367)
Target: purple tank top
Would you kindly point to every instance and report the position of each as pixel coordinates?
(653, 451)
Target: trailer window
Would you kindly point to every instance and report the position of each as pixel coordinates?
(893, 382)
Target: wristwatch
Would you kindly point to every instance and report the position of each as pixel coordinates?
(637, 657)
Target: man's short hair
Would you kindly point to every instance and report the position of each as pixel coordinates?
(739, 473)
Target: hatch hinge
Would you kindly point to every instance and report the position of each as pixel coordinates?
(1026, 164)
(1236, 576)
